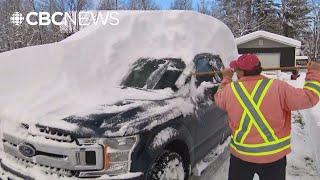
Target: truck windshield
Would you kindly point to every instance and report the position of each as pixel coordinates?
(154, 73)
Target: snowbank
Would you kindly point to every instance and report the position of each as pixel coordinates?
(76, 75)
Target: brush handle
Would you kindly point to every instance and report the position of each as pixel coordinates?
(212, 73)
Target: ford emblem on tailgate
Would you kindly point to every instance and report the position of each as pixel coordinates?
(27, 150)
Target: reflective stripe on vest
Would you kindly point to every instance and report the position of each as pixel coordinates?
(258, 94)
(253, 116)
(313, 86)
(262, 149)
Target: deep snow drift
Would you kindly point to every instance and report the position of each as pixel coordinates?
(50, 82)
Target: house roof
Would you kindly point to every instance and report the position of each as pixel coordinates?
(268, 35)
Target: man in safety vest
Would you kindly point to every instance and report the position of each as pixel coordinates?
(259, 111)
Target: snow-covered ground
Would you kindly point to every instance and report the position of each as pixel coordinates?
(304, 161)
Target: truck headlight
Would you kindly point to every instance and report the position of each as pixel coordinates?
(117, 153)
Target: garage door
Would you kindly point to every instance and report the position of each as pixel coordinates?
(269, 59)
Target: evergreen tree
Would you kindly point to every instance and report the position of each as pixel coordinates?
(110, 4)
(295, 17)
(182, 4)
(246, 16)
(312, 40)
(141, 5)
(239, 15)
(204, 7)
(267, 17)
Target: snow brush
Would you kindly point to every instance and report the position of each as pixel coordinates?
(212, 73)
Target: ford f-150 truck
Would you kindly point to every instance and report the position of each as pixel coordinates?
(163, 122)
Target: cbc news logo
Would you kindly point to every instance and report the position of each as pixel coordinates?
(17, 18)
(84, 18)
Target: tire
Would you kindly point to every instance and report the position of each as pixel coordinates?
(169, 166)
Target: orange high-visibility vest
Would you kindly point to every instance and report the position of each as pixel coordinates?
(252, 116)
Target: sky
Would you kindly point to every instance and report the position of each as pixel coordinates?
(165, 4)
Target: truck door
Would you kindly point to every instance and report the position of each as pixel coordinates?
(211, 120)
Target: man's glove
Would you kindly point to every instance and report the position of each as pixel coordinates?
(313, 66)
(227, 73)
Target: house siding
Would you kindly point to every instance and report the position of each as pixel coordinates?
(287, 54)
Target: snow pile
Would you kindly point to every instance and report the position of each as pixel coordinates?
(313, 128)
(50, 82)
(301, 162)
(316, 113)
(154, 114)
(284, 76)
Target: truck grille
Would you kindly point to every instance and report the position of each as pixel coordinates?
(55, 135)
(62, 156)
(46, 169)
(38, 152)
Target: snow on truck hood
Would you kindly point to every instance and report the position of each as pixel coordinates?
(53, 81)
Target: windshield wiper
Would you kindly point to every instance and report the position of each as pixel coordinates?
(155, 76)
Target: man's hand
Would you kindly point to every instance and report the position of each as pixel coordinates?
(227, 73)
(313, 66)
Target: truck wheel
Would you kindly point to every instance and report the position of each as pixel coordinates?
(169, 166)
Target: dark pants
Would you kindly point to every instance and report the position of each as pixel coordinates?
(242, 170)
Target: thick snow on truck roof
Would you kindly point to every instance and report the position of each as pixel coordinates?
(55, 80)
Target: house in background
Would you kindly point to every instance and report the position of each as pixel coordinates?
(273, 50)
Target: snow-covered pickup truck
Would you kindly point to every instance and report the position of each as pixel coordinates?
(116, 102)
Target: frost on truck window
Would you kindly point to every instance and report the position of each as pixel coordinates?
(154, 73)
